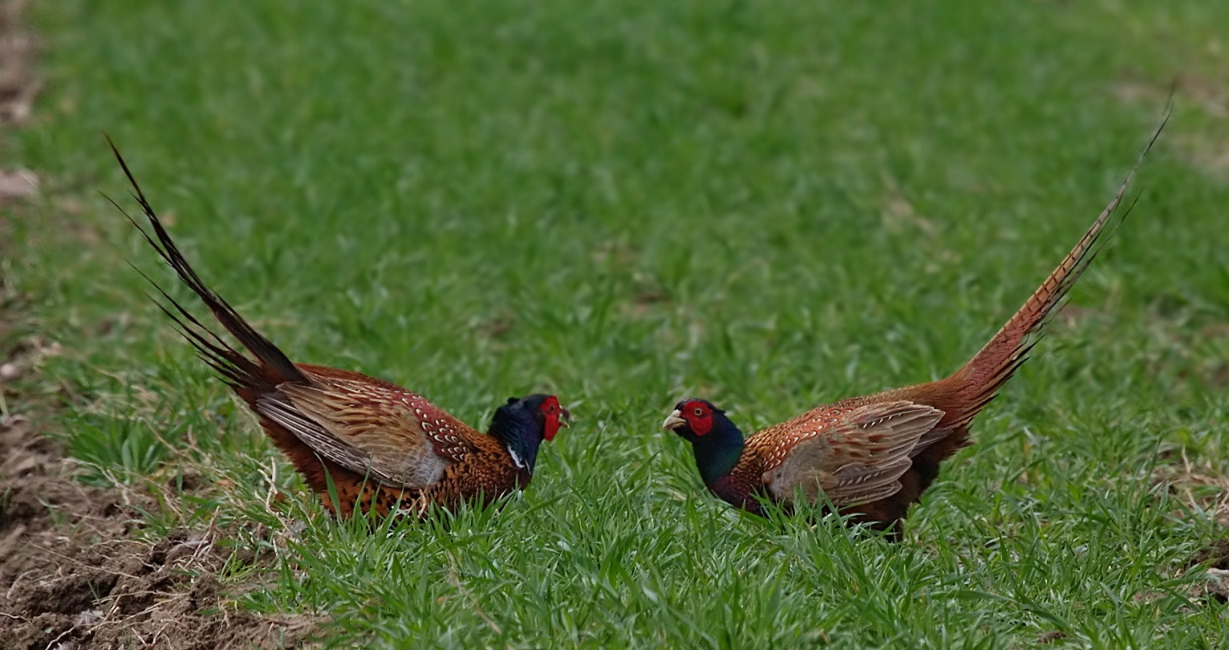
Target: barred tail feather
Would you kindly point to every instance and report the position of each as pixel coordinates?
(271, 367)
(980, 379)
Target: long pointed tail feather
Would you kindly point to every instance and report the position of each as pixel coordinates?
(979, 380)
(239, 371)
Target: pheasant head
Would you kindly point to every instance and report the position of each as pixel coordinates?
(715, 441)
(524, 422)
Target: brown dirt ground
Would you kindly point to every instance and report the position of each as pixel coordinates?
(76, 570)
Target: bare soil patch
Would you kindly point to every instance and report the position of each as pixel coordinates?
(77, 568)
(76, 571)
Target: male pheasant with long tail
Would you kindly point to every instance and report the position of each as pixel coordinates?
(873, 456)
(382, 447)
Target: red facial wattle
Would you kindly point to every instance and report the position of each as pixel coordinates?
(699, 418)
(551, 413)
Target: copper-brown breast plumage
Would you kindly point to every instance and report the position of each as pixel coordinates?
(775, 443)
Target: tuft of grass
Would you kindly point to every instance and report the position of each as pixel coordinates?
(624, 202)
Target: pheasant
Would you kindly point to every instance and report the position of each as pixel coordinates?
(872, 457)
(383, 448)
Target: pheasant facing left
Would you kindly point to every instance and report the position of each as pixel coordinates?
(383, 447)
(873, 456)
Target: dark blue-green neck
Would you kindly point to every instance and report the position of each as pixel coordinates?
(520, 433)
(718, 451)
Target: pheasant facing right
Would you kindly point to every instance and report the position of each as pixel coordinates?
(873, 456)
(382, 447)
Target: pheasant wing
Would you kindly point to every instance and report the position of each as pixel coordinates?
(384, 431)
(855, 456)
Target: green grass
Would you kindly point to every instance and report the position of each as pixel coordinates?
(771, 206)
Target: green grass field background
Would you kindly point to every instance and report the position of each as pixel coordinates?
(772, 205)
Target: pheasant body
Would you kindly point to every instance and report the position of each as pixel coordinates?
(873, 456)
(375, 445)
(461, 465)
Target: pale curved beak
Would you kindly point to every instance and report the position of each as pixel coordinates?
(673, 421)
(566, 418)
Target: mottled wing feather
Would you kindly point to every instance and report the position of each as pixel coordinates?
(392, 434)
(851, 489)
(851, 456)
(278, 408)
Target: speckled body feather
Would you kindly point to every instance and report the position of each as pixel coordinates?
(382, 447)
(874, 456)
(472, 467)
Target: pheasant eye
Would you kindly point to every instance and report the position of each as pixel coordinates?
(699, 412)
